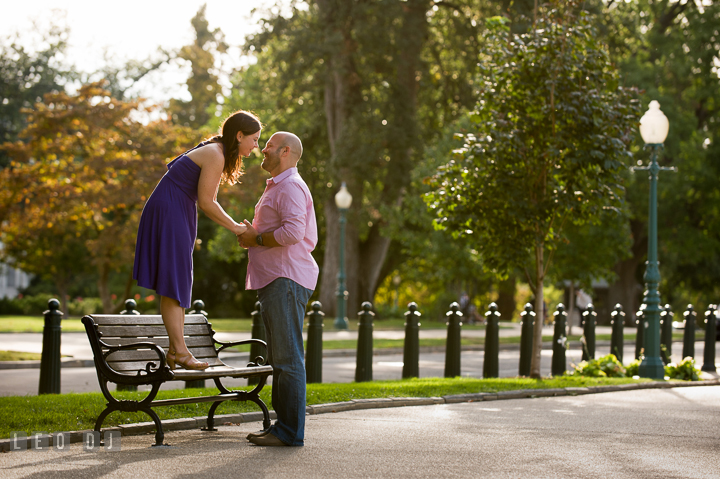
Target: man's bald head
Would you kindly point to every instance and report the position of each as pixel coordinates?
(292, 141)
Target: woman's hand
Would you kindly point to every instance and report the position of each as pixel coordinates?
(239, 228)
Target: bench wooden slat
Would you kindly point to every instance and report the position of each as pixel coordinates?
(192, 341)
(136, 365)
(221, 372)
(149, 355)
(137, 331)
(129, 319)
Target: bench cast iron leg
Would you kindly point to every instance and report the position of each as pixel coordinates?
(211, 417)
(159, 435)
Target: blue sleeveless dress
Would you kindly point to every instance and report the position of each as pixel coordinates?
(167, 232)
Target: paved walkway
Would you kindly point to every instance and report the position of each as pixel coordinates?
(659, 433)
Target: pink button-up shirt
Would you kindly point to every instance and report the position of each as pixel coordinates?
(286, 207)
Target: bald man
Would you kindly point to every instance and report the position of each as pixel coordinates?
(281, 268)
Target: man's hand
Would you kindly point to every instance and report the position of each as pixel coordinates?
(247, 239)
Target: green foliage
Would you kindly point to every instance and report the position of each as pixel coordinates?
(36, 304)
(684, 370)
(25, 76)
(73, 194)
(606, 366)
(33, 305)
(203, 83)
(633, 369)
(19, 356)
(367, 86)
(549, 141)
(668, 49)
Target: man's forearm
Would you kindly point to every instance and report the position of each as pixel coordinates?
(268, 239)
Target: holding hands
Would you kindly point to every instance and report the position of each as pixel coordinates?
(239, 228)
(247, 237)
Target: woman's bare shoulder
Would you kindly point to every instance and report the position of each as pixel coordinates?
(210, 153)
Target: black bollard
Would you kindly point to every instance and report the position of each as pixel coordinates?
(690, 317)
(130, 308)
(491, 363)
(666, 320)
(589, 321)
(411, 347)
(50, 359)
(257, 331)
(452, 343)
(710, 333)
(526, 339)
(640, 332)
(314, 351)
(616, 338)
(198, 307)
(364, 357)
(559, 361)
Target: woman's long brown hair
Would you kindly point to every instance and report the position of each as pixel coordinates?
(241, 121)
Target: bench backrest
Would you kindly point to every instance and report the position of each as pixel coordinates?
(125, 329)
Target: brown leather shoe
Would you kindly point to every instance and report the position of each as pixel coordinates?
(266, 440)
(258, 433)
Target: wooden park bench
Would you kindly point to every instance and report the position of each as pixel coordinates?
(130, 350)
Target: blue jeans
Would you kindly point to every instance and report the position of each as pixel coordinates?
(283, 311)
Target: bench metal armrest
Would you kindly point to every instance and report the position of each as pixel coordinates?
(258, 361)
(230, 344)
(148, 367)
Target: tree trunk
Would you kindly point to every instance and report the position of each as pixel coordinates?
(403, 138)
(506, 298)
(625, 290)
(103, 289)
(539, 312)
(329, 275)
(119, 305)
(364, 260)
(61, 286)
(571, 308)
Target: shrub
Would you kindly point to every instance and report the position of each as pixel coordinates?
(34, 305)
(633, 369)
(606, 366)
(83, 306)
(10, 306)
(684, 370)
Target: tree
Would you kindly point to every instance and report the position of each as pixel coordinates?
(74, 190)
(552, 128)
(669, 49)
(369, 84)
(203, 83)
(25, 76)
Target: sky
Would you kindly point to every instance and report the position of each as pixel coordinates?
(114, 32)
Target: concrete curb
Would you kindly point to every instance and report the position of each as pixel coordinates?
(23, 443)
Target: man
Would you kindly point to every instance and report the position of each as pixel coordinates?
(282, 270)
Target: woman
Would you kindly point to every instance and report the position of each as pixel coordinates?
(168, 225)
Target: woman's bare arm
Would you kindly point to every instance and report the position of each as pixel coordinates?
(211, 161)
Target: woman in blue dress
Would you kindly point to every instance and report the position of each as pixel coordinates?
(168, 225)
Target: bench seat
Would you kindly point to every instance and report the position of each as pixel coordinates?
(131, 350)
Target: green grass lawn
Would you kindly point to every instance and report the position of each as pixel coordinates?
(35, 324)
(70, 412)
(18, 356)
